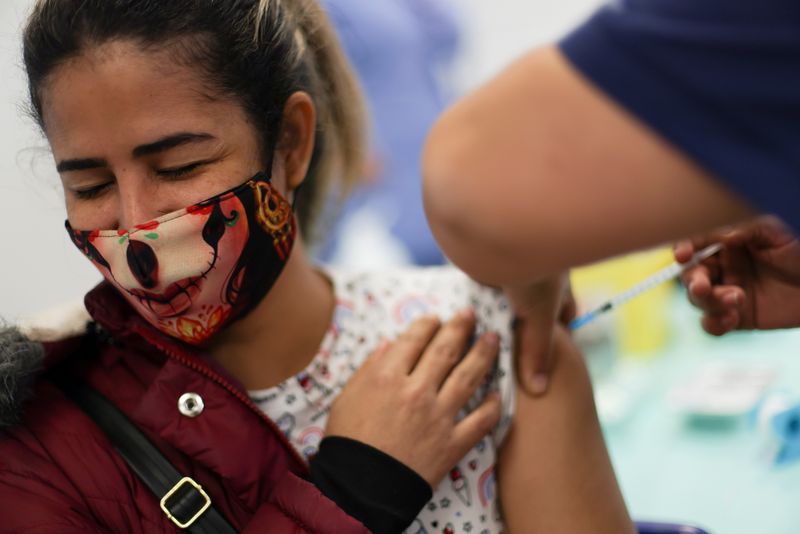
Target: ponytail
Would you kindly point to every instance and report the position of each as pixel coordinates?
(337, 163)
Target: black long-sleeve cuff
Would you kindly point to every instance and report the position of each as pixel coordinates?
(378, 490)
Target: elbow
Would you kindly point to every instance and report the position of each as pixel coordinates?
(473, 202)
(447, 188)
(455, 201)
(442, 173)
(437, 179)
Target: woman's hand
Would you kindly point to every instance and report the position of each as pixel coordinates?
(753, 283)
(538, 308)
(405, 398)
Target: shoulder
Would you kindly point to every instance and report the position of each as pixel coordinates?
(57, 323)
(405, 294)
(37, 422)
(387, 302)
(59, 472)
(55, 454)
(28, 348)
(35, 418)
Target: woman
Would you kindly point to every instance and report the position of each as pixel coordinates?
(187, 134)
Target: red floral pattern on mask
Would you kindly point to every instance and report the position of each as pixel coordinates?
(205, 266)
(197, 331)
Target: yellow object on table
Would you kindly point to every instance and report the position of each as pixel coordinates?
(641, 326)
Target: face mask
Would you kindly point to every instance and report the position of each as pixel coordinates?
(193, 271)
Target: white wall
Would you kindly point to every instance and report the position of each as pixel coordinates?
(40, 268)
(497, 31)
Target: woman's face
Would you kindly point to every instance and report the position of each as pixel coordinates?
(136, 137)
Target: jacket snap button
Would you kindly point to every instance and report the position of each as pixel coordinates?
(191, 404)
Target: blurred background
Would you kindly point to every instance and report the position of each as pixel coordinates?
(701, 430)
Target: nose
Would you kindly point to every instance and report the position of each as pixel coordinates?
(140, 199)
(143, 263)
(136, 207)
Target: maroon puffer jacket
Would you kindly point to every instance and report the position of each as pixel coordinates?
(59, 473)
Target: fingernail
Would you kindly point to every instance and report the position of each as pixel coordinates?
(731, 299)
(491, 339)
(539, 383)
(467, 313)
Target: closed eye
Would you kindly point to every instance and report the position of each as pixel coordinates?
(92, 192)
(184, 171)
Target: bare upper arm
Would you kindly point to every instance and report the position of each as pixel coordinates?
(554, 473)
(539, 171)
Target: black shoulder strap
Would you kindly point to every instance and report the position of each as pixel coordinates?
(182, 499)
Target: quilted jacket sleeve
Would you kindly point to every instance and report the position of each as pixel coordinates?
(297, 506)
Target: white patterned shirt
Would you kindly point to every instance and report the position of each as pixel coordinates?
(375, 306)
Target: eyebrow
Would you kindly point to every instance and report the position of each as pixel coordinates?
(80, 164)
(166, 143)
(170, 141)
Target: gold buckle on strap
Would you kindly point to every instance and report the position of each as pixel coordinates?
(170, 493)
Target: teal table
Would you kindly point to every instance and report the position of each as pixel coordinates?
(714, 475)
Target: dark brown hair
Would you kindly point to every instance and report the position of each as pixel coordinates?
(258, 51)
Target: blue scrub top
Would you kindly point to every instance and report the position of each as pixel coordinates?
(719, 79)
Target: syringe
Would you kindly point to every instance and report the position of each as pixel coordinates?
(664, 275)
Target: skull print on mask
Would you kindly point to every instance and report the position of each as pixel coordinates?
(191, 272)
